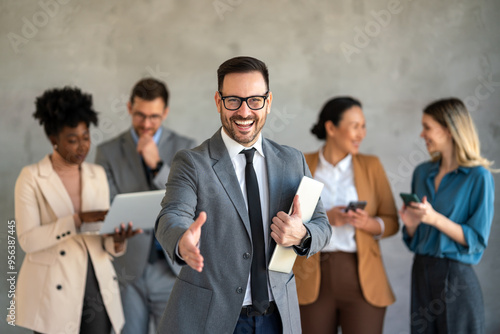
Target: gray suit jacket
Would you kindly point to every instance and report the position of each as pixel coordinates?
(203, 179)
(125, 174)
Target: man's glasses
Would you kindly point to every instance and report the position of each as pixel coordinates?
(253, 102)
(155, 118)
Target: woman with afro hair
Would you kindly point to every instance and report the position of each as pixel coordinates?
(67, 283)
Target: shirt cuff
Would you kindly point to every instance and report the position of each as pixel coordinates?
(307, 244)
(382, 228)
(177, 252)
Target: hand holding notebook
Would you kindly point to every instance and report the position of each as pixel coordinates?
(309, 192)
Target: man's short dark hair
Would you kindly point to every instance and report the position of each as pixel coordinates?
(60, 107)
(149, 89)
(241, 64)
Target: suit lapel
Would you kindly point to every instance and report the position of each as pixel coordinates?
(360, 181)
(132, 157)
(53, 189)
(223, 168)
(163, 143)
(275, 173)
(312, 160)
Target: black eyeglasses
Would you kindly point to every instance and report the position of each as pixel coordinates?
(255, 102)
(155, 118)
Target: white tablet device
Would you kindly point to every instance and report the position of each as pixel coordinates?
(140, 208)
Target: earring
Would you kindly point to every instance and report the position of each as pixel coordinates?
(55, 147)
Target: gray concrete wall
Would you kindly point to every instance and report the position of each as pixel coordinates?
(395, 56)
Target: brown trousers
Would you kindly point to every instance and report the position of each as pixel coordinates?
(341, 302)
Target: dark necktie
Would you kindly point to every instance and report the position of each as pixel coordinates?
(155, 251)
(258, 278)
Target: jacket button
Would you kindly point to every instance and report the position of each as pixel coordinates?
(68, 233)
(246, 256)
(62, 253)
(58, 237)
(239, 290)
(114, 278)
(64, 234)
(59, 286)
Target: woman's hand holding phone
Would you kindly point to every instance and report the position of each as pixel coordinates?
(353, 205)
(337, 216)
(361, 220)
(415, 212)
(354, 215)
(424, 212)
(408, 199)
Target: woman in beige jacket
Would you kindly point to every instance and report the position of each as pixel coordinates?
(345, 285)
(67, 283)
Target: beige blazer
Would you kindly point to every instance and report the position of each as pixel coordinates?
(51, 281)
(372, 186)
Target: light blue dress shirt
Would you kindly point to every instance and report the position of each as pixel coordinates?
(156, 139)
(466, 196)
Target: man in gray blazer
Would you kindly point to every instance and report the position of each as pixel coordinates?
(207, 221)
(139, 159)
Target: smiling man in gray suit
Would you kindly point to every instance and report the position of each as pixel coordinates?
(224, 212)
(139, 160)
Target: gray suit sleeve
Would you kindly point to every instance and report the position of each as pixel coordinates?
(101, 159)
(179, 204)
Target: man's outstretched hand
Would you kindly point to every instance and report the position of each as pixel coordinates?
(188, 244)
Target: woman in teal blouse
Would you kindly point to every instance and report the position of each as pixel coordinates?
(448, 231)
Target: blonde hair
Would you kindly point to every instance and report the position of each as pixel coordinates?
(453, 115)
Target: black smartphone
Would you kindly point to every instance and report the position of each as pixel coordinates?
(408, 198)
(355, 205)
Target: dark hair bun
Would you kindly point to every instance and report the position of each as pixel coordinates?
(333, 111)
(319, 131)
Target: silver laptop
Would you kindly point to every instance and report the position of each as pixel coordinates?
(140, 208)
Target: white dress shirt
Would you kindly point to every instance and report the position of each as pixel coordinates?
(339, 190)
(259, 165)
